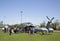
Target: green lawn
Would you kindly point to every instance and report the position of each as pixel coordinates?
(26, 37)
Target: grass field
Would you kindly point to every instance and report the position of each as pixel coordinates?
(26, 37)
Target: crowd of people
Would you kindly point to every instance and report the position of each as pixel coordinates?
(16, 29)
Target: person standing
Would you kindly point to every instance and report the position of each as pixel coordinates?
(15, 29)
(10, 31)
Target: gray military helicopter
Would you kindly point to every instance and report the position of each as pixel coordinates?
(45, 29)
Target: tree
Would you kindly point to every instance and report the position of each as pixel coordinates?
(1, 23)
(42, 24)
(55, 24)
(22, 25)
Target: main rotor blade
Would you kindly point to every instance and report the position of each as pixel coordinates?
(52, 18)
(47, 18)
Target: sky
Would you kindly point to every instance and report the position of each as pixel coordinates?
(34, 11)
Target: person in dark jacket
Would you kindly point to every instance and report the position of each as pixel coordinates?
(10, 31)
